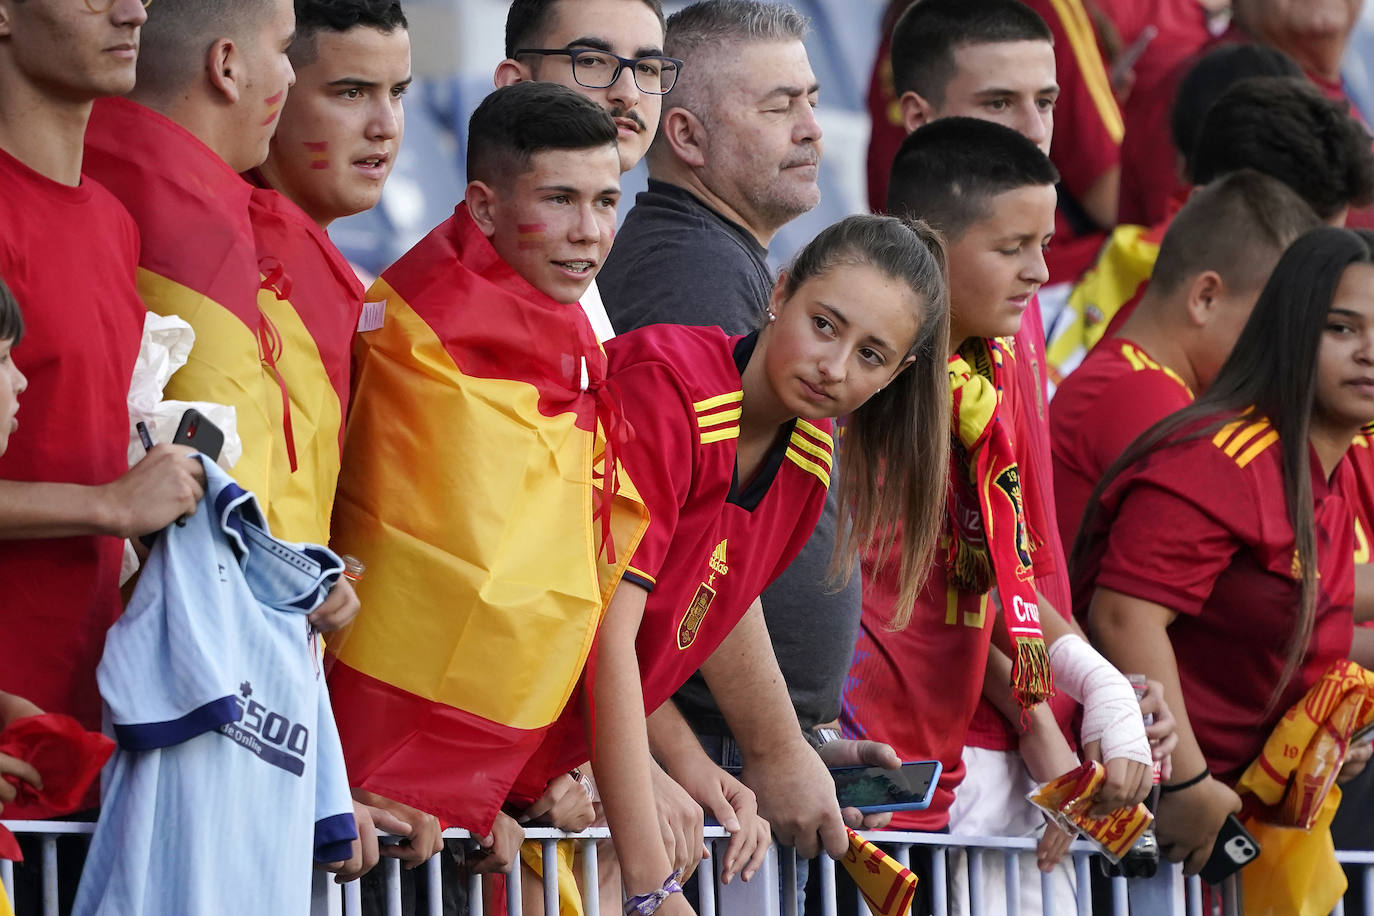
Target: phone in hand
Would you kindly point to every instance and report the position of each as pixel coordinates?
(1234, 849)
(199, 433)
(871, 789)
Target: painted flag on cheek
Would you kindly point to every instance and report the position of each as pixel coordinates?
(475, 488)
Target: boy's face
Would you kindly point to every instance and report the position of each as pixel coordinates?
(554, 222)
(12, 384)
(341, 128)
(625, 28)
(1010, 83)
(268, 77)
(998, 264)
(67, 49)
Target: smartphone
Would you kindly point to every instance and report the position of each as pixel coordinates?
(199, 433)
(1235, 848)
(871, 789)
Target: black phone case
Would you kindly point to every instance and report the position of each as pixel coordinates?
(1235, 848)
(199, 433)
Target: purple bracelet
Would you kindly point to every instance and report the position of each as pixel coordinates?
(648, 904)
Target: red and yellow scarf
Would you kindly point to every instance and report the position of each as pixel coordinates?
(991, 546)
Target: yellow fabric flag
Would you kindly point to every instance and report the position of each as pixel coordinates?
(887, 886)
(1293, 780)
(569, 899)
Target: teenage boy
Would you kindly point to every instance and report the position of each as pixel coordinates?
(490, 556)
(1213, 262)
(991, 192)
(335, 144)
(610, 51)
(69, 251)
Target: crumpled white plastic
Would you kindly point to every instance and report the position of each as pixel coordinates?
(167, 342)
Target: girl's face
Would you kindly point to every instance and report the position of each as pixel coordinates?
(838, 339)
(12, 384)
(1345, 358)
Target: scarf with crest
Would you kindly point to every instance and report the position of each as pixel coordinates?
(990, 546)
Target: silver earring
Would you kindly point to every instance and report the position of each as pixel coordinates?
(771, 317)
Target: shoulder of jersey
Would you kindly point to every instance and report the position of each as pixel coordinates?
(1141, 361)
(1245, 438)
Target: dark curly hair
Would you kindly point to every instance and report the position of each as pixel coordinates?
(315, 16)
(1285, 128)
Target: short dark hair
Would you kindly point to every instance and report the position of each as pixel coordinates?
(11, 321)
(1212, 74)
(517, 121)
(1238, 226)
(527, 18)
(174, 40)
(316, 16)
(947, 171)
(927, 35)
(1285, 128)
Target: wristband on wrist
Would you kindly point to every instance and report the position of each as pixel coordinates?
(1187, 783)
(647, 904)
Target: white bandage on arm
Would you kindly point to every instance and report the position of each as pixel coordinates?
(1111, 713)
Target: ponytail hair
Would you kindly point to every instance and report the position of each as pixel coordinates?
(894, 458)
(1272, 371)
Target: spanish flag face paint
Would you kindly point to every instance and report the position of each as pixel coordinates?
(317, 154)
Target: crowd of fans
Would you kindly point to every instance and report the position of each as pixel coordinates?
(644, 534)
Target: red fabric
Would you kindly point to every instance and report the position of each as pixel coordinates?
(1100, 409)
(1361, 459)
(69, 255)
(887, 132)
(173, 184)
(1148, 174)
(66, 756)
(325, 292)
(1227, 568)
(702, 532)
(936, 664)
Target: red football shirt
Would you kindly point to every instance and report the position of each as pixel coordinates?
(714, 542)
(1117, 393)
(920, 689)
(1202, 528)
(69, 255)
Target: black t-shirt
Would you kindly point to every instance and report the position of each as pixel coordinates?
(677, 261)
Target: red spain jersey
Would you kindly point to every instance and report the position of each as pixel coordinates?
(69, 255)
(1117, 393)
(314, 300)
(920, 689)
(714, 542)
(1202, 529)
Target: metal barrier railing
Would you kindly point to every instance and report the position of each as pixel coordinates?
(1167, 894)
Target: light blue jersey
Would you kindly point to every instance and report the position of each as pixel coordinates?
(229, 780)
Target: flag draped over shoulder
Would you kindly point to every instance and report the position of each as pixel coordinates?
(1291, 796)
(199, 262)
(474, 489)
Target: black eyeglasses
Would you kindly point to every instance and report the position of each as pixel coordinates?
(599, 69)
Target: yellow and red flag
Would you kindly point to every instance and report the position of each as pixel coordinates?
(887, 886)
(474, 487)
(1291, 795)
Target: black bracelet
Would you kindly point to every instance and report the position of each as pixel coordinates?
(1187, 784)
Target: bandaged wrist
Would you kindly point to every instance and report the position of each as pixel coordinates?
(1111, 713)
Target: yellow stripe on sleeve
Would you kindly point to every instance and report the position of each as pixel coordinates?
(715, 419)
(815, 432)
(1253, 451)
(1245, 435)
(717, 435)
(1079, 29)
(811, 467)
(730, 397)
(632, 570)
(806, 445)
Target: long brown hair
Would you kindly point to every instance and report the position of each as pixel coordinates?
(1272, 372)
(894, 459)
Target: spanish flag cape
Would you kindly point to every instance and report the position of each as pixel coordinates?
(199, 262)
(481, 489)
(990, 546)
(312, 297)
(1290, 796)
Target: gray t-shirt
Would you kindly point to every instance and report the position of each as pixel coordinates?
(677, 261)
